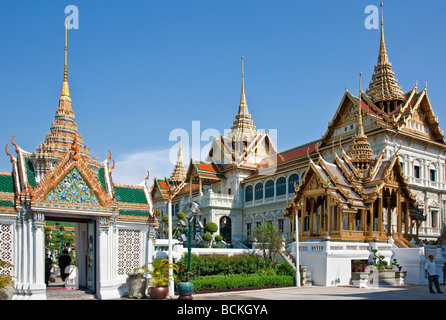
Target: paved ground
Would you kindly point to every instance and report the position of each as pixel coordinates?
(406, 292)
(57, 291)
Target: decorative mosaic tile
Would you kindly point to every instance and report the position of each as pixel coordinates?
(73, 189)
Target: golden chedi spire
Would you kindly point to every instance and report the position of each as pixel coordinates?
(65, 90)
(63, 135)
(384, 89)
(360, 152)
(180, 171)
(243, 127)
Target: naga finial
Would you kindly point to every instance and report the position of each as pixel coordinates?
(10, 155)
(148, 175)
(109, 157)
(16, 146)
(113, 166)
(75, 148)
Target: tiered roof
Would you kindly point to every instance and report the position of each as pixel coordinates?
(384, 87)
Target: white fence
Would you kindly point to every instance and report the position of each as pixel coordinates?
(329, 263)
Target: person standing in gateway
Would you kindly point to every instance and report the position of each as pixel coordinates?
(430, 272)
(64, 262)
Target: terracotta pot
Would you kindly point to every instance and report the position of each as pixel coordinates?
(158, 292)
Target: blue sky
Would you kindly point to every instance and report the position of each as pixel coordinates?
(138, 70)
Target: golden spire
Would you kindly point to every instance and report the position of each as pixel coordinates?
(384, 87)
(65, 91)
(243, 108)
(243, 127)
(360, 151)
(382, 58)
(360, 127)
(180, 171)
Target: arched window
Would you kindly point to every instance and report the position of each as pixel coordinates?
(269, 189)
(258, 190)
(280, 186)
(248, 193)
(293, 179)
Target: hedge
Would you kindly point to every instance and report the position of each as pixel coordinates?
(218, 282)
(208, 265)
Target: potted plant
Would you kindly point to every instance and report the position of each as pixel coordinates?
(159, 277)
(386, 274)
(136, 284)
(399, 275)
(359, 278)
(6, 283)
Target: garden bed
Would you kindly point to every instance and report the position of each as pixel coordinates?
(240, 282)
(240, 289)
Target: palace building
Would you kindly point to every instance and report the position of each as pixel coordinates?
(60, 181)
(398, 188)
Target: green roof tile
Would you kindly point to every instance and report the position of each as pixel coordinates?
(131, 195)
(101, 177)
(6, 183)
(134, 213)
(6, 203)
(30, 173)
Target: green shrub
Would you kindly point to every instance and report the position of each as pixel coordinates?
(182, 216)
(286, 269)
(217, 282)
(218, 238)
(207, 237)
(221, 264)
(211, 227)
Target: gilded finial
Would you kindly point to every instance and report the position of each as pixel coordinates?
(65, 90)
(243, 97)
(382, 48)
(360, 127)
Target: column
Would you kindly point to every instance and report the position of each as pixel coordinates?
(399, 212)
(380, 214)
(303, 215)
(389, 216)
(311, 215)
(328, 215)
(37, 266)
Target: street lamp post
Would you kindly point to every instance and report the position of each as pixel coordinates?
(297, 250)
(185, 289)
(172, 191)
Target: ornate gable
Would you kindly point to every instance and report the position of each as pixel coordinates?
(73, 189)
(71, 183)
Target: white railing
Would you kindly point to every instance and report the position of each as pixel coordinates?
(338, 247)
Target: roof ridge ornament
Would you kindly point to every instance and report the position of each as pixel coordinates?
(75, 148)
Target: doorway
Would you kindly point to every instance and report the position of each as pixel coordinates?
(78, 237)
(225, 229)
